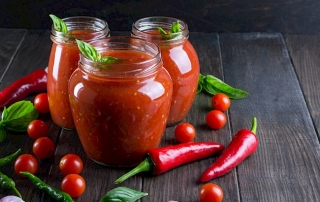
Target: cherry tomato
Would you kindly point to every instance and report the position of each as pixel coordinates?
(216, 119)
(184, 132)
(41, 103)
(73, 184)
(26, 162)
(43, 147)
(210, 193)
(71, 164)
(37, 129)
(220, 101)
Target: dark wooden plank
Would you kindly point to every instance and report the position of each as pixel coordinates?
(287, 162)
(305, 52)
(10, 41)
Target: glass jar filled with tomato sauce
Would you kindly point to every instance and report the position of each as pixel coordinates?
(121, 110)
(179, 58)
(63, 61)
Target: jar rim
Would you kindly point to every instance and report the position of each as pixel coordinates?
(95, 24)
(142, 27)
(123, 43)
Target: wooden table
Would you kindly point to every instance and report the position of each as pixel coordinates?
(281, 74)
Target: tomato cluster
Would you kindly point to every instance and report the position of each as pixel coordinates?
(216, 118)
(43, 147)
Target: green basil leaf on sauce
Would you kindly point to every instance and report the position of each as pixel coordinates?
(175, 27)
(213, 85)
(18, 116)
(174, 32)
(90, 52)
(123, 194)
(59, 24)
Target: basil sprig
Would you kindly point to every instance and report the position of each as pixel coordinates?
(174, 32)
(59, 24)
(90, 52)
(17, 117)
(213, 85)
(123, 194)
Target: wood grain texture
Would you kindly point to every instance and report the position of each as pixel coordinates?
(305, 53)
(286, 164)
(33, 54)
(10, 41)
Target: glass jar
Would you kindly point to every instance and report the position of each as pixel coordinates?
(179, 58)
(121, 110)
(63, 61)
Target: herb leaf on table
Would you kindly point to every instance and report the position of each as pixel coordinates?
(213, 85)
(17, 117)
(123, 194)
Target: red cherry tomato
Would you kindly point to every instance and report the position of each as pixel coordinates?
(210, 193)
(216, 119)
(73, 184)
(184, 132)
(41, 103)
(43, 147)
(37, 129)
(220, 101)
(26, 162)
(71, 164)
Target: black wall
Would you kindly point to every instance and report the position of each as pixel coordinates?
(286, 16)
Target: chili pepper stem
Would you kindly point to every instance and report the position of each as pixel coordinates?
(17, 192)
(254, 125)
(144, 166)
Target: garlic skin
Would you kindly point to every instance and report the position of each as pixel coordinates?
(11, 199)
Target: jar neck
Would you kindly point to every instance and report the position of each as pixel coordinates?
(126, 70)
(148, 28)
(81, 27)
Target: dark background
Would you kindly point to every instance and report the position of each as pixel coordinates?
(285, 16)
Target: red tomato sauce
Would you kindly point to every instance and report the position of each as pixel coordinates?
(181, 61)
(63, 61)
(119, 119)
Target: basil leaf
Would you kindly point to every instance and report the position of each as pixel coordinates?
(18, 116)
(3, 134)
(174, 32)
(200, 83)
(90, 52)
(213, 85)
(161, 31)
(175, 27)
(59, 24)
(4, 113)
(122, 194)
(222, 87)
(109, 60)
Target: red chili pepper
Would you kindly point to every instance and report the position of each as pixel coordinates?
(242, 145)
(160, 160)
(35, 82)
